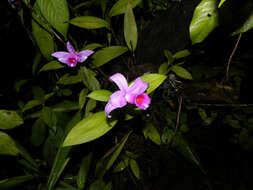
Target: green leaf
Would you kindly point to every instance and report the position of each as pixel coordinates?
(120, 166)
(20, 83)
(49, 117)
(163, 69)
(44, 40)
(130, 29)
(150, 132)
(181, 72)
(31, 104)
(169, 56)
(92, 46)
(90, 128)
(205, 19)
(82, 97)
(154, 81)
(100, 95)
(83, 171)
(9, 119)
(247, 25)
(89, 22)
(38, 132)
(221, 2)
(135, 168)
(107, 54)
(68, 79)
(52, 65)
(181, 54)
(13, 182)
(89, 79)
(120, 7)
(110, 157)
(7, 145)
(56, 13)
(91, 105)
(99, 184)
(202, 114)
(36, 61)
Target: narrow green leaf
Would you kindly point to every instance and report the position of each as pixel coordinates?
(38, 132)
(204, 20)
(49, 117)
(121, 165)
(181, 72)
(154, 81)
(120, 7)
(135, 168)
(82, 97)
(89, 22)
(52, 65)
(221, 2)
(44, 40)
(107, 54)
(130, 29)
(36, 61)
(150, 132)
(13, 182)
(31, 104)
(57, 14)
(7, 145)
(181, 54)
(89, 79)
(90, 128)
(68, 79)
(163, 69)
(83, 171)
(247, 25)
(100, 95)
(9, 119)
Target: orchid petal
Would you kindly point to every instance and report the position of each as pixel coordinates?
(70, 48)
(108, 108)
(142, 101)
(83, 55)
(69, 59)
(120, 80)
(59, 54)
(118, 99)
(130, 98)
(137, 87)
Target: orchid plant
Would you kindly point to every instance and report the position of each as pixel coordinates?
(72, 57)
(133, 94)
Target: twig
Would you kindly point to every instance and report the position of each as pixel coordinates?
(231, 56)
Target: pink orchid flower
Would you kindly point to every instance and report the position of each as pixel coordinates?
(134, 94)
(72, 57)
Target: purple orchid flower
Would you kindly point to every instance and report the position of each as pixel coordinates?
(134, 94)
(72, 57)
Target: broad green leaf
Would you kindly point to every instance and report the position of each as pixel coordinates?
(100, 95)
(99, 184)
(154, 81)
(83, 171)
(247, 25)
(38, 132)
(13, 182)
(31, 104)
(91, 105)
(65, 106)
(56, 13)
(204, 20)
(44, 40)
(52, 65)
(163, 69)
(92, 46)
(181, 54)
(107, 54)
(89, 79)
(150, 132)
(60, 162)
(135, 168)
(49, 117)
(82, 97)
(181, 72)
(9, 119)
(89, 22)
(221, 2)
(110, 157)
(7, 145)
(38, 92)
(88, 129)
(120, 7)
(68, 79)
(130, 29)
